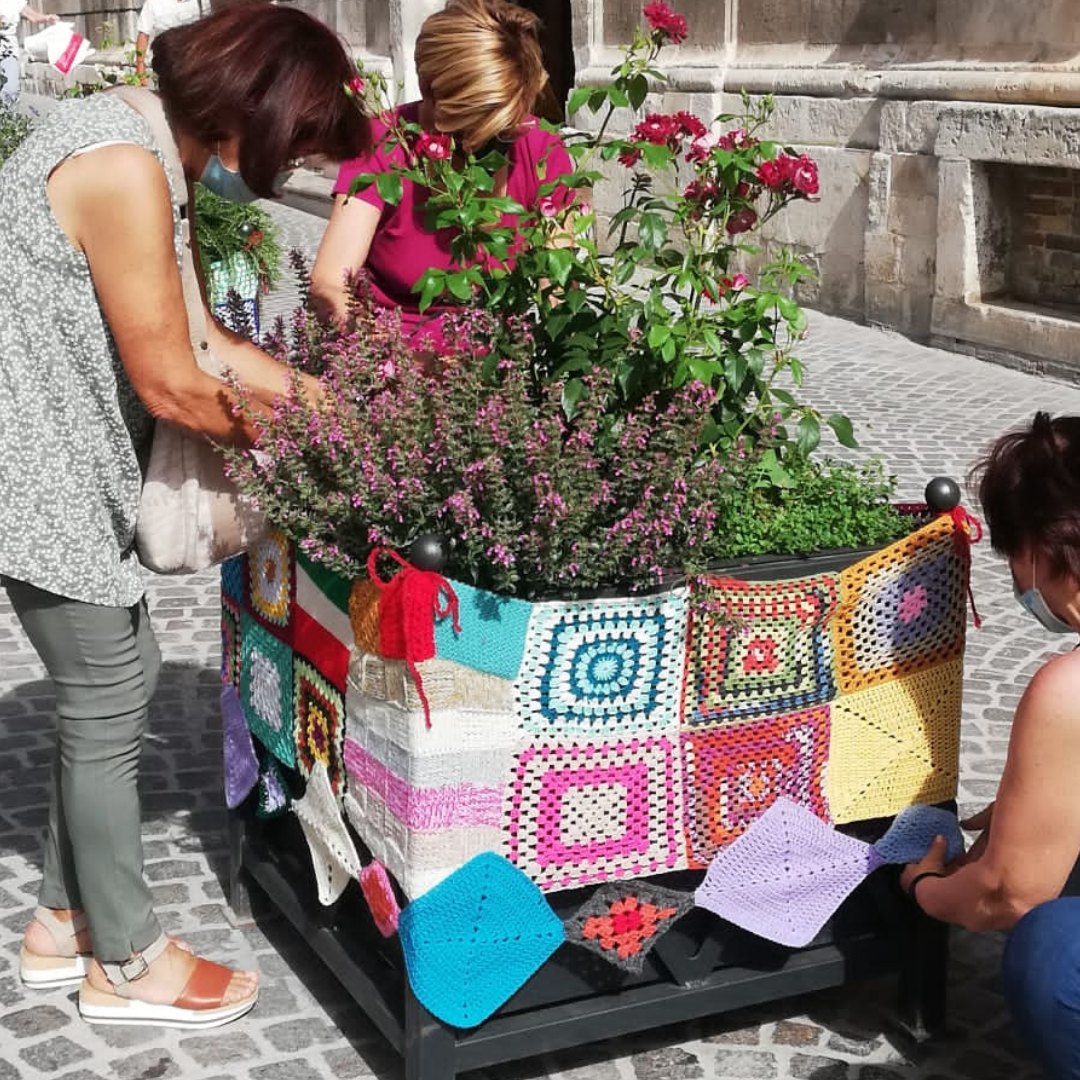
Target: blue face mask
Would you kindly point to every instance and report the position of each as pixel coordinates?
(1033, 601)
(228, 183)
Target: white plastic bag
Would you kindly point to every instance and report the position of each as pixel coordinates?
(59, 45)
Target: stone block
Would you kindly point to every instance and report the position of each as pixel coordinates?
(1016, 134)
(819, 121)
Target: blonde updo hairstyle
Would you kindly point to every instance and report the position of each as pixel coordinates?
(479, 62)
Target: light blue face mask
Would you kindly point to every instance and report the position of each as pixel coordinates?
(228, 183)
(1033, 601)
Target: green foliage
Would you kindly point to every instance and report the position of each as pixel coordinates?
(827, 505)
(14, 127)
(227, 228)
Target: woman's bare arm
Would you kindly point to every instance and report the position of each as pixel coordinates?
(343, 250)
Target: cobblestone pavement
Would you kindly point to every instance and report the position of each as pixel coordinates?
(924, 411)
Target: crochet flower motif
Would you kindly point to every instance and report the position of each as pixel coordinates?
(760, 655)
(627, 926)
(912, 604)
(378, 891)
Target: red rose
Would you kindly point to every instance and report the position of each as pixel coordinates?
(629, 156)
(691, 125)
(773, 174)
(659, 129)
(354, 88)
(804, 175)
(434, 147)
(665, 22)
(735, 140)
(741, 221)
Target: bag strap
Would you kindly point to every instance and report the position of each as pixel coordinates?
(148, 105)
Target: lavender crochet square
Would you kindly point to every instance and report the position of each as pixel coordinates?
(785, 876)
(912, 832)
(241, 764)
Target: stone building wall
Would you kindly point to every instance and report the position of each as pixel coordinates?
(909, 106)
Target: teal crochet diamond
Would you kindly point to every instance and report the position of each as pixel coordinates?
(475, 939)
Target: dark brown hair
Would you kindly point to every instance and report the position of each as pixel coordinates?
(1029, 488)
(272, 76)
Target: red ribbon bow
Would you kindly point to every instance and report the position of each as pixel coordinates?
(411, 602)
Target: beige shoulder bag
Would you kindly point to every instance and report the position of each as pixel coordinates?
(190, 514)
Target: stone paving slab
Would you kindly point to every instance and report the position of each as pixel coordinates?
(923, 410)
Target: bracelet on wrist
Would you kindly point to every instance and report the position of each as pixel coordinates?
(919, 877)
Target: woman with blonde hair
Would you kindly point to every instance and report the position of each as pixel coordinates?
(481, 72)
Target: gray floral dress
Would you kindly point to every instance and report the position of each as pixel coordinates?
(72, 430)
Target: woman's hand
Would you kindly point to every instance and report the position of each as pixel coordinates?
(933, 862)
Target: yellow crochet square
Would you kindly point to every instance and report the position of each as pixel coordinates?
(902, 609)
(895, 744)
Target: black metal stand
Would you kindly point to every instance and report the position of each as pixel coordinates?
(701, 967)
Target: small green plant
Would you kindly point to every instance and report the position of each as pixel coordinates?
(229, 230)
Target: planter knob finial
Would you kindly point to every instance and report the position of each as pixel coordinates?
(429, 552)
(942, 494)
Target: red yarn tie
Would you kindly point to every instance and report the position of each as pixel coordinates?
(411, 602)
(967, 530)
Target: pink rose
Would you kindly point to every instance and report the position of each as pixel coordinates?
(548, 206)
(434, 147)
(703, 146)
(354, 88)
(665, 22)
(804, 175)
(774, 174)
(741, 221)
(738, 282)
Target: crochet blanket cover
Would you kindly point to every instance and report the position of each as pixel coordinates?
(609, 739)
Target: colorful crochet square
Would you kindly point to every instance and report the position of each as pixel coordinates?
(234, 579)
(912, 832)
(622, 922)
(493, 629)
(364, 614)
(895, 744)
(423, 800)
(578, 814)
(382, 902)
(319, 716)
(230, 642)
(595, 667)
(333, 853)
(784, 878)
(733, 774)
(270, 579)
(266, 690)
(241, 766)
(759, 648)
(904, 609)
(320, 620)
(475, 939)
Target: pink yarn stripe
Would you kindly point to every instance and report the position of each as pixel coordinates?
(423, 808)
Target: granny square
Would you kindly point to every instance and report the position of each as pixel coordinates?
(241, 764)
(595, 667)
(904, 609)
(912, 832)
(271, 582)
(622, 921)
(895, 744)
(733, 774)
(492, 635)
(230, 641)
(784, 878)
(475, 939)
(266, 692)
(319, 719)
(577, 814)
(382, 902)
(759, 648)
(234, 579)
(333, 854)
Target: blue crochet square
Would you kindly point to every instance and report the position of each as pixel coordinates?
(492, 637)
(234, 578)
(912, 832)
(475, 939)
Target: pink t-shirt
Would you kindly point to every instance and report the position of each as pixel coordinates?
(402, 249)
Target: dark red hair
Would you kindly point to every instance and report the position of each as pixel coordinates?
(272, 76)
(1029, 488)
